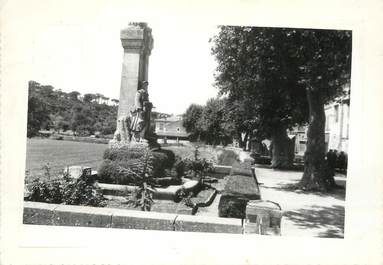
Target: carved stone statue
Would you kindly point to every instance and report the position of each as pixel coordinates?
(140, 116)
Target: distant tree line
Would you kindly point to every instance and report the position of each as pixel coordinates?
(211, 123)
(50, 108)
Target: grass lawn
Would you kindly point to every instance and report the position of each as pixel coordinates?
(59, 154)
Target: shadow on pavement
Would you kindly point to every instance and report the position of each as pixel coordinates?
(329, 218)
(339, 194)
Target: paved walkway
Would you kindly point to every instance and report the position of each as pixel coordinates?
(304, 214)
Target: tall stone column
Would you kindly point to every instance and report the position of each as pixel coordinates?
(137, 42)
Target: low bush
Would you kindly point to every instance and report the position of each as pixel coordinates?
(120, 165)
(123, 153)
(160, 163)
(179, 166)
(228, 158)
(171, 157)
(50, 191)
(118, 172)
(65, 191)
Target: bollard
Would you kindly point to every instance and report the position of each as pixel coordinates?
(263, 217)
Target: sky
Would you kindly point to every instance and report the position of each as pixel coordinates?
(85, 55)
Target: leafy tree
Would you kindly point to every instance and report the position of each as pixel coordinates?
(254, 75)
(324, 63)
(65, 110)
(74, 95)
(82, 120)
(286, 76)
(191, 120)
(216, 129)
(89, 97)
(37, 116)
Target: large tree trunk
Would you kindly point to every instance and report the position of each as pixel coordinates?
(316, 175)
(282, 150)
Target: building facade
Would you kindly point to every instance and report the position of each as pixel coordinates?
(170, 129)
(336, 127)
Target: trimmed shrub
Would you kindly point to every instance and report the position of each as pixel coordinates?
(118, 172)
(171, 157)
(179, 166)
(121, 165)
(160, 163)
(228, 158)
(123, 153)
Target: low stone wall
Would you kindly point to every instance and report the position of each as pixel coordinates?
(69, 215)
(168, 193)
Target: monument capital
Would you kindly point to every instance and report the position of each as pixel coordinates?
(137, 37)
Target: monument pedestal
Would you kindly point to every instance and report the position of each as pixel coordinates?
(137, 42)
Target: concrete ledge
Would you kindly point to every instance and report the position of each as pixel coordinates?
(187, 223)
(38, 213)
(69, 215)
(130, 219)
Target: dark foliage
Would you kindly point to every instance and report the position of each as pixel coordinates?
(37, 116)
(65, 190)
(124, 153)
(121, 165)
(284, 76)
(53, 108)
(171, 157)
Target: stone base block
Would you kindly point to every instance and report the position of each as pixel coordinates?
(187, 223)
(232, 207)
(38, 213)
(142, 220)
(263, 217)
(69, 215)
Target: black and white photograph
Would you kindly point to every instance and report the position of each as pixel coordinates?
(267, 154)
(188, 129)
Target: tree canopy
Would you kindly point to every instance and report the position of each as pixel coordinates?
(210, 123)
(282, 77)
(52, 108)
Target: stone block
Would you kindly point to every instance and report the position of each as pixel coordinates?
(237, 192)
(188, 223)
(129, 219)
(220, 169)
(243, 169)
(78, 171)
(242, 187)
(38, 213)
(70, 215)
(263, 217)
(232, 207)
